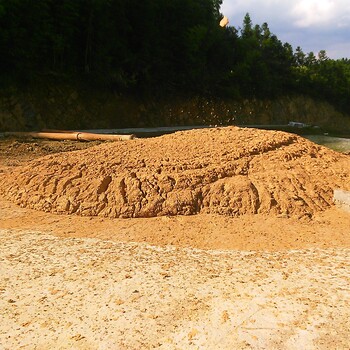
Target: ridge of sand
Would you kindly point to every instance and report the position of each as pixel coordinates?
(229, 170)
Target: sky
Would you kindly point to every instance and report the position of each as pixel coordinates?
(314, 25)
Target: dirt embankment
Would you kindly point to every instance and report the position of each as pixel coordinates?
(51, 104)
(230, 171)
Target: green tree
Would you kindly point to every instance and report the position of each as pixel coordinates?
(299, 57)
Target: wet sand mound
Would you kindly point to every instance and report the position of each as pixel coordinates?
(230, 171)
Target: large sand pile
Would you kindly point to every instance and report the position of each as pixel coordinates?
(226, 170)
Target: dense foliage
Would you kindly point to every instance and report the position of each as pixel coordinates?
(160, 47)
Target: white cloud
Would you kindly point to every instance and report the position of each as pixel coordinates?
(317, 24)
(314, 12)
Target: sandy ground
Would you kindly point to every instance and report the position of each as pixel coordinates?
(81, 293)
(186, 282)
(328, 229)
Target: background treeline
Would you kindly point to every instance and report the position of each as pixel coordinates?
(160, 47)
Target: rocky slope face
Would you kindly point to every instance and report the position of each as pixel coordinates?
(72, 107)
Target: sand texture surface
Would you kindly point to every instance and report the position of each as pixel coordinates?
(231, 171)
(92, 294)
(98, 250)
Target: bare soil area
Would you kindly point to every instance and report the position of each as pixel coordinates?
(271, 273)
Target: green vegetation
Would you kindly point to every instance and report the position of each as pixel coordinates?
(160, 48)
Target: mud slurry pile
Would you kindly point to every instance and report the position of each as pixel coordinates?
(231, 171)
